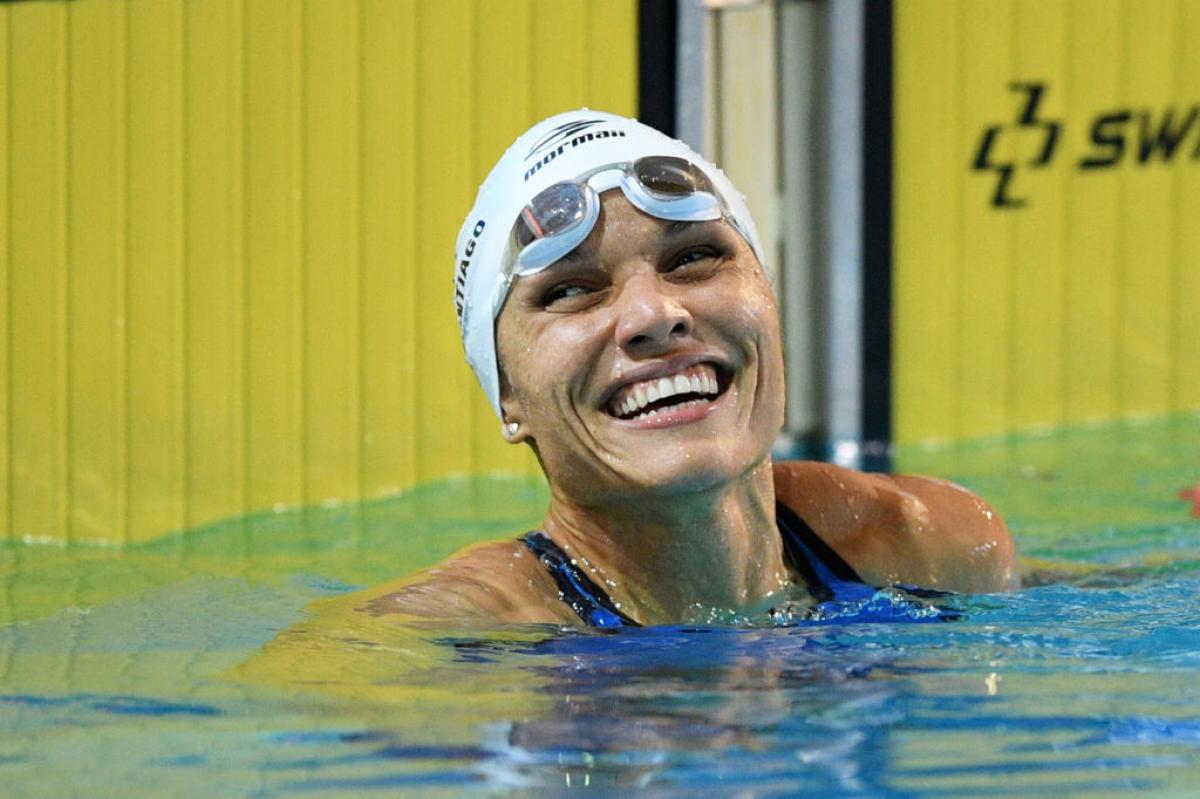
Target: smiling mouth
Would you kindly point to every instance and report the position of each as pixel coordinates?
(697, 385)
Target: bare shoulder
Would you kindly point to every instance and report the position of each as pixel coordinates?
(902, 528)
(495, 581)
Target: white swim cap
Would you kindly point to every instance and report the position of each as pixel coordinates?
(560, 148)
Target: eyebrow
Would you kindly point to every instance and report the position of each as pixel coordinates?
(673, 230)
(678, 228)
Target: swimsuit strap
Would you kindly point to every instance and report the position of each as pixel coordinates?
(826, 575)
(587, 599)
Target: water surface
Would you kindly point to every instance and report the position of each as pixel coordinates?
(198, 665)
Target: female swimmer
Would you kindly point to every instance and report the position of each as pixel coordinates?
(613, 305)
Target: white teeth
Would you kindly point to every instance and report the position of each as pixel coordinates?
(699, 379)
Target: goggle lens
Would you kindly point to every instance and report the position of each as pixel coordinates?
(556, 209)
(670, 178)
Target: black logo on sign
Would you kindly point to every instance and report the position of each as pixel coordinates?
(1146, 135)
(1028, 119)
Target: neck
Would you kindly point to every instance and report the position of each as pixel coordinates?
(682, 557)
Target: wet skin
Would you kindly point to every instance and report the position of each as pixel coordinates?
(673, 512)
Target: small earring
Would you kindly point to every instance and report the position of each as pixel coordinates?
(512, 428)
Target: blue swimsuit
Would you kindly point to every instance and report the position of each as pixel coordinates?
(827, 577)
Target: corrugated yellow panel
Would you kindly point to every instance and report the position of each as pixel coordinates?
(1083, 241)
(982, 348)
(1147, 199)
(1092, 219)
(274, 399)
(561, 60)
(331, 259)
(1186, 343)
(930, 162)
(155, 289)
(503, 53)
(5, 261)
(37, 281)
(96, 247)
(231, 235)
(612, 42)
(446, 120)
(389, 210)
(1036, 301)
(214, 265)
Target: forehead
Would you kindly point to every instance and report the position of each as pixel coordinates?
(623, 228)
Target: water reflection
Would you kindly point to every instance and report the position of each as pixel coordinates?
(769, 710)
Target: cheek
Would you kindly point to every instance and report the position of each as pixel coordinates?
(543, 358)
(749, 312)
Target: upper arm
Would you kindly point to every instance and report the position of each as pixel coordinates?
(902, 529)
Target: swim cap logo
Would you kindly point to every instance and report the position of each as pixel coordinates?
(571, 134)
(560, 133)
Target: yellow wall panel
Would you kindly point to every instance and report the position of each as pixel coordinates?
(96, 253)
(982, 352)
(388, 214)
(214, 263)
(560, 40)
(330, 284)
(1036, 295)
(611, 47)
(1092, 222)
(274, 400)
(927, 89)
(1046, 172)
(1147, 197)
(445, 184)
(5, 260)
(155, 269)
(1185, 378)
(503, 55)
(227, 268)
(37, 281)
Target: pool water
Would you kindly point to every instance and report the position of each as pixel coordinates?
(215, 662)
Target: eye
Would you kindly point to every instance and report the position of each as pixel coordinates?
(567, 295)
(694, 257)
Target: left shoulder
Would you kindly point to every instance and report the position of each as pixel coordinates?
(902, 528)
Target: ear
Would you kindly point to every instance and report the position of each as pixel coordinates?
(512, 424)
(514, 432)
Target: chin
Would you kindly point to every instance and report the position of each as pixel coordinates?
(696, 469)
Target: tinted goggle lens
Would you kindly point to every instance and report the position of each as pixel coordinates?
(670, 178)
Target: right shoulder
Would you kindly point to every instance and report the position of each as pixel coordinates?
(498, 581)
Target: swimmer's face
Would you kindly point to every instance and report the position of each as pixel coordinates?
(649, 357)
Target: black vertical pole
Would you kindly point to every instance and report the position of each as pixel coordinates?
(878, 118)
(657, 48)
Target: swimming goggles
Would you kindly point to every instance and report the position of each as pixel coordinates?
(560, 217)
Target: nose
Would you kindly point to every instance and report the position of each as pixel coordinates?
(650, 317)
